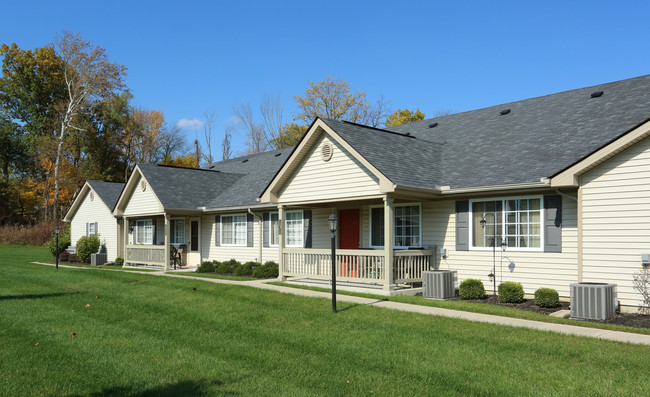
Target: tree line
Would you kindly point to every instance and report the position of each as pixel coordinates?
(66, 116)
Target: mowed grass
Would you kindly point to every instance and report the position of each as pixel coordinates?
(151, 335)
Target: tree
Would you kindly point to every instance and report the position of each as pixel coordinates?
(405, 116)
(226, 148)
(208, 126)
(290, 135)
(272, 114)
(89, 77)
(187, 161)
(332, 98)
(171, 142)
(255, 134)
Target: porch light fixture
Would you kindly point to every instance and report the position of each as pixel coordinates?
(494, 248)
(333, 220)
(56, 232)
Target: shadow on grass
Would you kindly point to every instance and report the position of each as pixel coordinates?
(360, 304)
(35, 296)
(183, 388)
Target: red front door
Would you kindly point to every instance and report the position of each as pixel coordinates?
(349, 224)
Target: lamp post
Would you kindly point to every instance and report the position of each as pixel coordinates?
(56, 232)
(333, 220)
(494, 247)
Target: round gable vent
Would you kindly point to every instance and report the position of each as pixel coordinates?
(92, 196)
(326, 151)
(143, 185)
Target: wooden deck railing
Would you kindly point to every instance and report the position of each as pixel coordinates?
(356, 265)
(148, 255)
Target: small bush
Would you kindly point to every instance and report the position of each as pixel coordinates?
(247, 268)
(547, 297)
(73, 258)
(64, 242)
(471, 289)
(206, 267)
(267, 270)
(228, 267)
(511, 292)
(119, 261)
(86, 246)
(63, 256)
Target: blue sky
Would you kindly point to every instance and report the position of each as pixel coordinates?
(186, 58)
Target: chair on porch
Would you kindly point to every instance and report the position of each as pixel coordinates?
(176, 256)
(179, 255)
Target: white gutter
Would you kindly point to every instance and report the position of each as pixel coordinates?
(261, 227)
(446, 190)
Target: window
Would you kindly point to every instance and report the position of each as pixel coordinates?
(91, 228)
(407, 228)
(515, 220)
(233, 229)
(177, 229)
(144, 231)
(293, 228)
(274, 229)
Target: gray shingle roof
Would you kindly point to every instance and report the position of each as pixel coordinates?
(258, 169)
(538, 138)
(405, 160)
(186, 187)
(109, 192)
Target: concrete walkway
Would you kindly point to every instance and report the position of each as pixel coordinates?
(617, 336)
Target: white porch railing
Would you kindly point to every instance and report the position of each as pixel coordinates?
(149, 255)
(356, 265)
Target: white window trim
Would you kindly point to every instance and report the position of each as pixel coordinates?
(270, 236)
(233, 231)
(153, 232)
(302, 229)
(88, 232)
(394, 206)
(173, 232)
(503, 224)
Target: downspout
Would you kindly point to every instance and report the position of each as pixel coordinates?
(574, 198)
(261, 227)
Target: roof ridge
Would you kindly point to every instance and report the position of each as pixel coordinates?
(406, 135)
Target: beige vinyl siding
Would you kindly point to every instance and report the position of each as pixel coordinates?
(142, 202)
(95, 211)
(616, 220)
(209, 251)
(532, 269)
(341, 177)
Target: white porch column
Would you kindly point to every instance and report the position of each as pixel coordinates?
(126, 239)
(389, 219)
(281, 243)
(167, 241)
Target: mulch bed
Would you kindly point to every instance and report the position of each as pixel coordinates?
(628, 319)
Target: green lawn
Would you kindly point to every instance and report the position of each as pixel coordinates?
(148, 335)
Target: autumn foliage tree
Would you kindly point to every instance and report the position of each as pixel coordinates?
(405, 116)
(333, 98)
(89, 77)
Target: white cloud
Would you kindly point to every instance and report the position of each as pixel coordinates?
(193, 123)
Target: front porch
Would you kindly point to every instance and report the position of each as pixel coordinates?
(359, 270)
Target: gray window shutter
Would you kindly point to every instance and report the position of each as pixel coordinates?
(249, 230)
(217, 230)
(87, 229)
(266, 216)
(155, 231)
(306, 223)
(96, 228)
(462, 225)
(552, 224)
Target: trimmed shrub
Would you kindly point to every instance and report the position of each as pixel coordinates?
(63, 256)
(471, 289)
(547, 297)
(119, 261)
(86, 246)
(228, 267)
(267, 270)
(73, 258)
(247, 268)
(64, 242)
(206, 267)
(511, 292)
